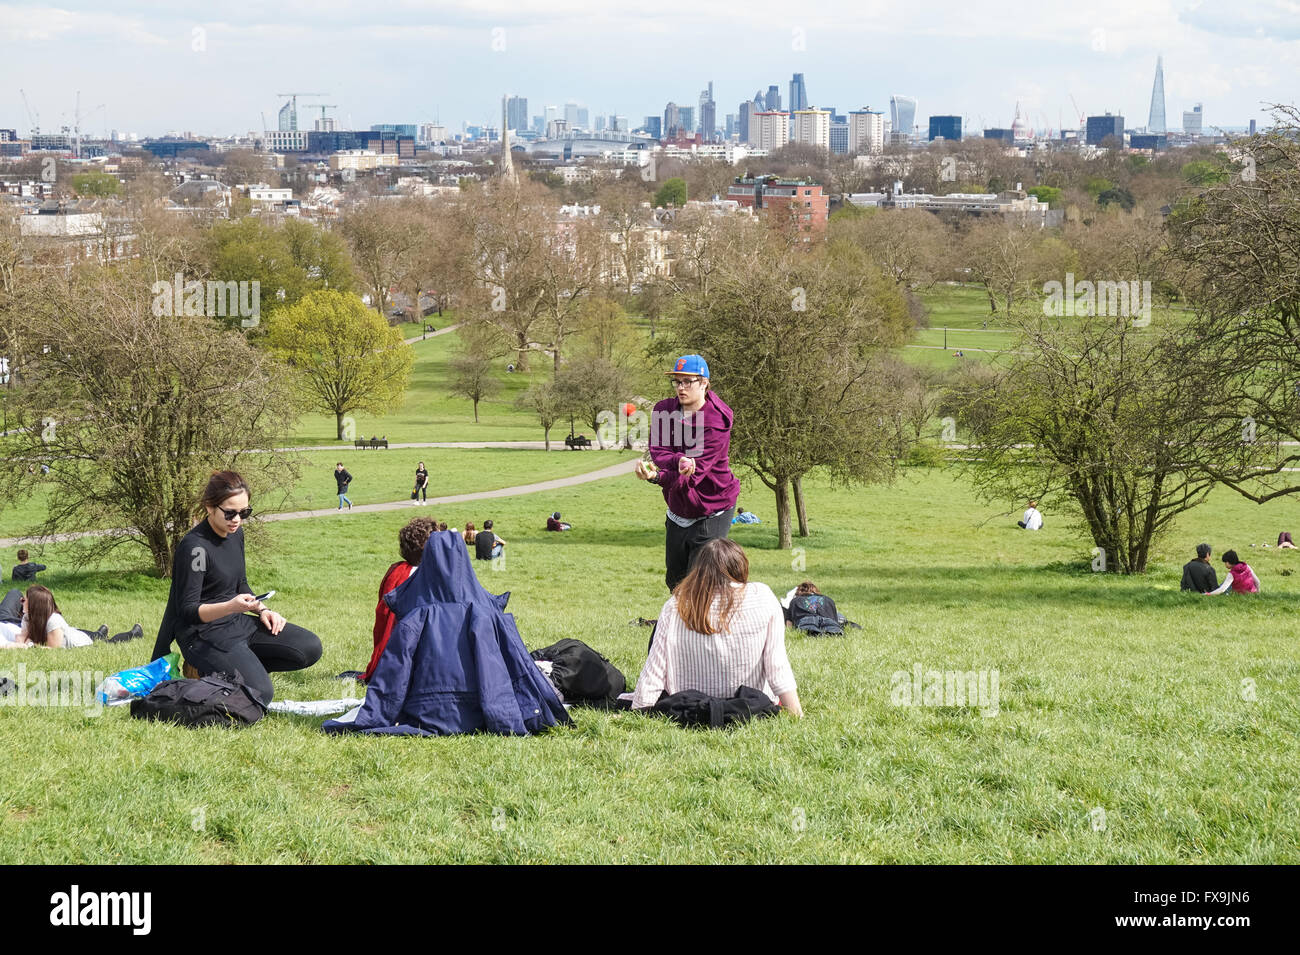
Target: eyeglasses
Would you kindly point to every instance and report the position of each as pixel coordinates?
(243, 515)
(679, 382)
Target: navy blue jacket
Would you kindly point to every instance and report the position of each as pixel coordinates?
(455, 662)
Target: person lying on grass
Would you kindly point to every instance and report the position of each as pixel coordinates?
(33, 620)
(410, 543)
(718, 632)
(1241, 578)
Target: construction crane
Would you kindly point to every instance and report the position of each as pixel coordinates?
(323, 107)
(32, 115)
(1083, 119)
(293, 97)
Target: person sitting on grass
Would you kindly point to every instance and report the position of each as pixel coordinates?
(470, 533)
(553, 523)
(410, 543)
(39, 623)
(807, 608)
(745, 517)
(25, 570)
(1198, 574)
(1241, 578)
(1283, 542)
(1033, 519)
(718, 632)
(487, 546)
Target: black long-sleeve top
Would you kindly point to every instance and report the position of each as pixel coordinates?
(206, 569)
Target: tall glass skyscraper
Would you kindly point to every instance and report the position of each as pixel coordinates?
(902, 114)
(1156, 121)
(798, 93)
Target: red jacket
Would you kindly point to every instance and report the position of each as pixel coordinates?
(385, 618)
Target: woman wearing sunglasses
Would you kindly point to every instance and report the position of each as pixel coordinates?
(211, 611)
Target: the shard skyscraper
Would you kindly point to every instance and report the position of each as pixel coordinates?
(1156, 121)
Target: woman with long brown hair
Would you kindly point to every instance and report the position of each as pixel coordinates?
(33, 619)
(212, 614)
(718, 632)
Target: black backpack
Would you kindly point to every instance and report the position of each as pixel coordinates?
(581, 675)
(213, 700)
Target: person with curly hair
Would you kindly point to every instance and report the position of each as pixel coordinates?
(410, 543)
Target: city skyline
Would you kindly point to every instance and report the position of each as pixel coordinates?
(214, 69)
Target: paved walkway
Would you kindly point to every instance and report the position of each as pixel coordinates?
(441, 331)
(614, 470)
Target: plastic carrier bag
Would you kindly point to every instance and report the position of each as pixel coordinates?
(123, 687)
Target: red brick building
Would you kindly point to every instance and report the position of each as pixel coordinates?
(793, 203)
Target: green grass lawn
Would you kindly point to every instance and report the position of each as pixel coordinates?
(1115, 695)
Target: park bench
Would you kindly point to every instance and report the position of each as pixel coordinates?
(573, 443)
(362, 443)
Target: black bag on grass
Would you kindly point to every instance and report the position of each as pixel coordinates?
(213, 700)
(693, 708)
(582, 675)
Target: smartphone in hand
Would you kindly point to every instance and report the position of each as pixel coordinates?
(266, 596)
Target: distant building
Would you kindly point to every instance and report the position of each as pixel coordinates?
(945, 127)
(1147, 141)
(1012, 202)
(1100, 128)
(1007, 136)
(902, 116)
(798, 93)
(773, 99)
(654, 126)
(839, 139)
(516, 113)
(687, 114)
(770, 130)
(708, 114)
(866, 131)
(1156, 118)
(396, 129)
(288, 117)
(672, 121)
(792, 201)
(812, 127)
(361, 160)
(1192, 121)
(171, 148)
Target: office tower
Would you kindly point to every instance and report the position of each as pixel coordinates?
(1156, 120)
(1100, 128)
(517, 112)
(866, 131)
(601, 122)
(672, 121)
(1252, 129)
(618, 124)
(539, 124)
(553, 112)
(729, 129)
(798, 94)
(773, 99)
(653, 126)
(708, 115)
(288, 117)
(839, 139)
(584, 117)
(571, 114)
(811, 126)
(946, 127)
(687, 114)
(902, 116)
(1193, 121)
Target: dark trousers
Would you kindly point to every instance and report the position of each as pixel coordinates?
(681, 543)
(251, 652)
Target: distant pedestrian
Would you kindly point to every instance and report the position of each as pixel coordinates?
(420, 495)
(1033, 519)
(342, 478)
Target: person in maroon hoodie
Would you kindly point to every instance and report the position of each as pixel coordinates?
(690, 439)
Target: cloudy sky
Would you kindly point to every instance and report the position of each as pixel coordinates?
(215, 67)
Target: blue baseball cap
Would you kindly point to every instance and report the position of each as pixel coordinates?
(690, 365)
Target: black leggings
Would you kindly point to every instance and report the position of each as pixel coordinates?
(251, 654)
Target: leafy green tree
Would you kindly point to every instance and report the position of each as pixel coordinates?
(1048, 194)
(346, 357)
(544, 400)
(671, 193)
(480, 344)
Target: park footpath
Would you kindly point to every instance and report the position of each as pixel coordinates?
(614, 470)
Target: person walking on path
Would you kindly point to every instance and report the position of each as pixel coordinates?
(421, 493)
(690, 440)
(342, 478)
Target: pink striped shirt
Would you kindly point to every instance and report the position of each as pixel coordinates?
(750, 652)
